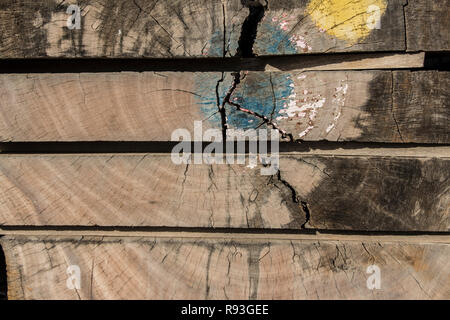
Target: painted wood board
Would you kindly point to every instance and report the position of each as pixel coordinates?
(317, 26)
(175, 28)
(180, 268)
(359, 193)
(375, 106)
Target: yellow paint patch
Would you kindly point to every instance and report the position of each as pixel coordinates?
(347, 20)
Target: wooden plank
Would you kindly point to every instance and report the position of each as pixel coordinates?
(317, 26)
(365, 193)
(428, 25)
(157, 268)
(178, 28)
(266, 234)
(341, 62)
(429, 93)
(207, 28)
(337, 106)
(111, 28)
(371, 193)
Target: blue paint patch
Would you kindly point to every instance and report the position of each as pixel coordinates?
(260, 92)
(254, 93)
(273, 40)
(216, 45)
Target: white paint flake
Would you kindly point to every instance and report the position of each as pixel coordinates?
(338, 103)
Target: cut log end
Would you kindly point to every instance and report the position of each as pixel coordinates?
(180, 268)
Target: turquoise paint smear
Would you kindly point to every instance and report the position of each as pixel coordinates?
(254, 93)
(273, 40)
(216, 45)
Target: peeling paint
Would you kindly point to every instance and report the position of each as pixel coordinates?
(305, 107)
(282, 96)
(338, 103)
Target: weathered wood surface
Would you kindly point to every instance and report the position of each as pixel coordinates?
(334, 193)
(430, 94)
(175, 28)
(337, 62)
(380, 106)
(317, 26)
(122, 28)
(158, 268)
(428, 25)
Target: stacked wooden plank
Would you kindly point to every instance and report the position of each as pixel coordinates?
(140, 226)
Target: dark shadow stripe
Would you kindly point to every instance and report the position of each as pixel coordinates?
(3, 279)
(167, 146)
(66, 228)
(438, 61)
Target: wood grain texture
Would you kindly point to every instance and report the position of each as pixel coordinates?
(428, 25)
(155, 268)
(178, 28)
(175, 28)
(317, 26)
(337, 106)
(111, 28)
(429, 92)
(373, 193)
(339, 62)
(340, 193)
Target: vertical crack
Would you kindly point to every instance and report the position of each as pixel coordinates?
(3, 275)
(250, 27)
(405, 23)
(305, 208)
(224, 22)
(274, 98)
(392, 107)
(296, 199)
(221, 110)
(220, 107)
(245, 50)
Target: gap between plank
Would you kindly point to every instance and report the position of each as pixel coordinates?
(231, 234)
(318, 148)
(318, 62)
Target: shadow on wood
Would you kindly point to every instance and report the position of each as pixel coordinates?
(3, 280)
